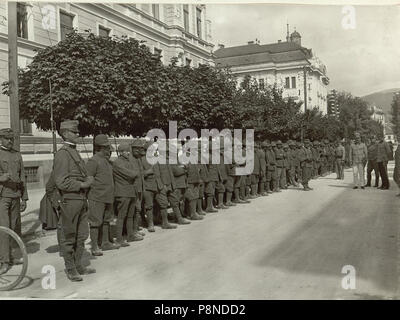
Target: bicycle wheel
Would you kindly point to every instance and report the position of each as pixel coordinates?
(5, 283)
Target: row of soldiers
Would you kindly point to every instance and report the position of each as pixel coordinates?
(87, 196)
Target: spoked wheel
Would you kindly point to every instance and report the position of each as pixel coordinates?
(16, 273)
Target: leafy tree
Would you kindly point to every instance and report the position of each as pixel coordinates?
(395, 113)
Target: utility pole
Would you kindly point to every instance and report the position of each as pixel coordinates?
(13, 71)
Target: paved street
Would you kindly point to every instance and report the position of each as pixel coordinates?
(290, 245)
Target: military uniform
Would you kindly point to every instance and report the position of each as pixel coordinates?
(72, 181)
(272, 175)
(125, 193)
(306, 165)
(12, 191)
(101, 197)
(279, 156)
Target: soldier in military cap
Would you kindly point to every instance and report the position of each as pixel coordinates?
(293, 163)
(152, 185)
(316, 157)
(263, 170)
(272, 173)
(279, 155)
(101, 196)
(72, 181)
(204, 178)
(286, 165)
(255, 176)
(124, 192)
(137, 151)
(13, 195)
(306, 164)
(237, 178)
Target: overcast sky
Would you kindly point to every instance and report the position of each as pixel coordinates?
(361, 60)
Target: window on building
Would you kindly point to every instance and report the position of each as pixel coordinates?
(22, 21)
(293, 82)
(156, 11)
(104, 32)
(186, 17)
(188, 62)
(198, 21)
(261, 83)
(66, 24)
(287, 82)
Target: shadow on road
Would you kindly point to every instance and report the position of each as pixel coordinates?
(358, 228)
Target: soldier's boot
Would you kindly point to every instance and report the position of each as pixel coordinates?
(221, 201)
(261, 188)
(229, 202)
(165, 224)
(253, 189)
(192, 210)
(237, 196)
(268, 186)
(106, 244)
(94, 238)
(85, 270)
(138, 227)
(150, 221)
(199, 207)
(210, 207)
(73, 275)
(178, 215)
(120, 240)
(133, 234)
(243, 194)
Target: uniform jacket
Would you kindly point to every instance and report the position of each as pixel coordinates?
(193, 173)
(279, 154)
(263, 162)
(102, 189)
(270, 159)
(166, 175)
(69, 171)
(179, 173)
(213, 173)
(306, 157)
(11, 162)
(124, 178)
(204, 175)
(138, 167)
(152, 182)
(384, 152)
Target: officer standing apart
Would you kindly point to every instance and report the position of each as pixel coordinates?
(13, 195)
(358, 157)
(72, 181)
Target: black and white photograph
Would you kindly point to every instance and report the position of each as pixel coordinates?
(199, 151)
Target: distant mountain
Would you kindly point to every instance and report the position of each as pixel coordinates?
(382, 99)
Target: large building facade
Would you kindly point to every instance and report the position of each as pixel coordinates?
(171, 30)
(289, 65)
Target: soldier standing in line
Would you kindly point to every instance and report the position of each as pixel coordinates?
(168, 193)
(137, 151)
(13, 196)
(255, 176)
(299, 150)
(272, 174)
(204, 180)
(179, 172)
(237, 178)
(306, 164)
(286, 164)
(152, 188)
(263, 170)
(124, 192)
(101, 196)
(72, 181)
(230, 182)
(222, 178)
(315, 153)
(279, 164)
(192, 189)
(293, 163)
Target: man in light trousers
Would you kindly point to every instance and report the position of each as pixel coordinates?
(358, 157)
